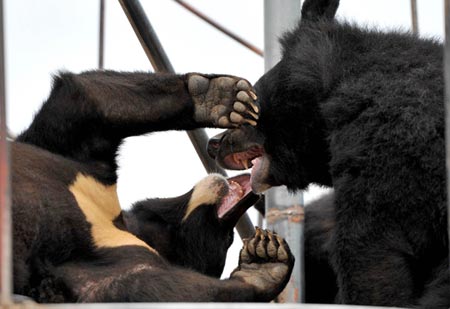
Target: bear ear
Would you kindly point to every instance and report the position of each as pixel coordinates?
(313, 10)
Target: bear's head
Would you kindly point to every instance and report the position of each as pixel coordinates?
(194, 230)
(288, 146)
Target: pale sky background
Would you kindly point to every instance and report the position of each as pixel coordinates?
(45, 36)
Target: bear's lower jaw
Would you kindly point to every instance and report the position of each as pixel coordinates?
(260, 174)
(238, 187)
(238, 199)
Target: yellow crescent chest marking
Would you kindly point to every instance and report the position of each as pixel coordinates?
(100, 205)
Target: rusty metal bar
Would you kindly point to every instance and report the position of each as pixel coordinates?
(414, 20)
(160, 62)
(5, 188)
(101, 35)
(221, 28)
(447, 104)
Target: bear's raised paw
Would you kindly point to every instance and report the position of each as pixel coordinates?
(266, 263)
(223, 101)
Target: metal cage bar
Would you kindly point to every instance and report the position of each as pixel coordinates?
(284, 211)
(414, 20)
(101, 35)
(221, 28)
(5, 187)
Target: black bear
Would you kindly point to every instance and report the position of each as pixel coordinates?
(72, 242)
(360, 110)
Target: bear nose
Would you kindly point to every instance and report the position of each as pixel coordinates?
(214, 145)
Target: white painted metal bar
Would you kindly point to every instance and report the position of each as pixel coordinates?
(283, 209)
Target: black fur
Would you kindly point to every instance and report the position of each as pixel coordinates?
(320, 280)
(72, 242)
(200, 242)
(363, 111)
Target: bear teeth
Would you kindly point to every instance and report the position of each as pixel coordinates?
(237, 188)
(236, 159)
(239, 161)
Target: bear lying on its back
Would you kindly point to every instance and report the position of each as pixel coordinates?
(362, 111)
(72, 242)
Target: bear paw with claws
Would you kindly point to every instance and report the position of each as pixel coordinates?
(266, 263)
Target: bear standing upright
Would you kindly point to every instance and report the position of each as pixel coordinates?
(360, 110)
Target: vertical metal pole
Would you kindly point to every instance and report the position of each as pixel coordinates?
(284, 211)
(160, 62)
(5, 204)
(414, 21)
(447, 104)
(101, 35)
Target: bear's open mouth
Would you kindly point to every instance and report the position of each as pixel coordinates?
(255, 158)
(238, 199)
(243, 160)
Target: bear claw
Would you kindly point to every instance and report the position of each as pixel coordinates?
(265, 245)
(265, 262)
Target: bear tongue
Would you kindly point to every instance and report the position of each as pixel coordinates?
(234, 195)
(238, 199)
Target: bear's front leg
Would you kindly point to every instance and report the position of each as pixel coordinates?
(222, 101)
(87, 115)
